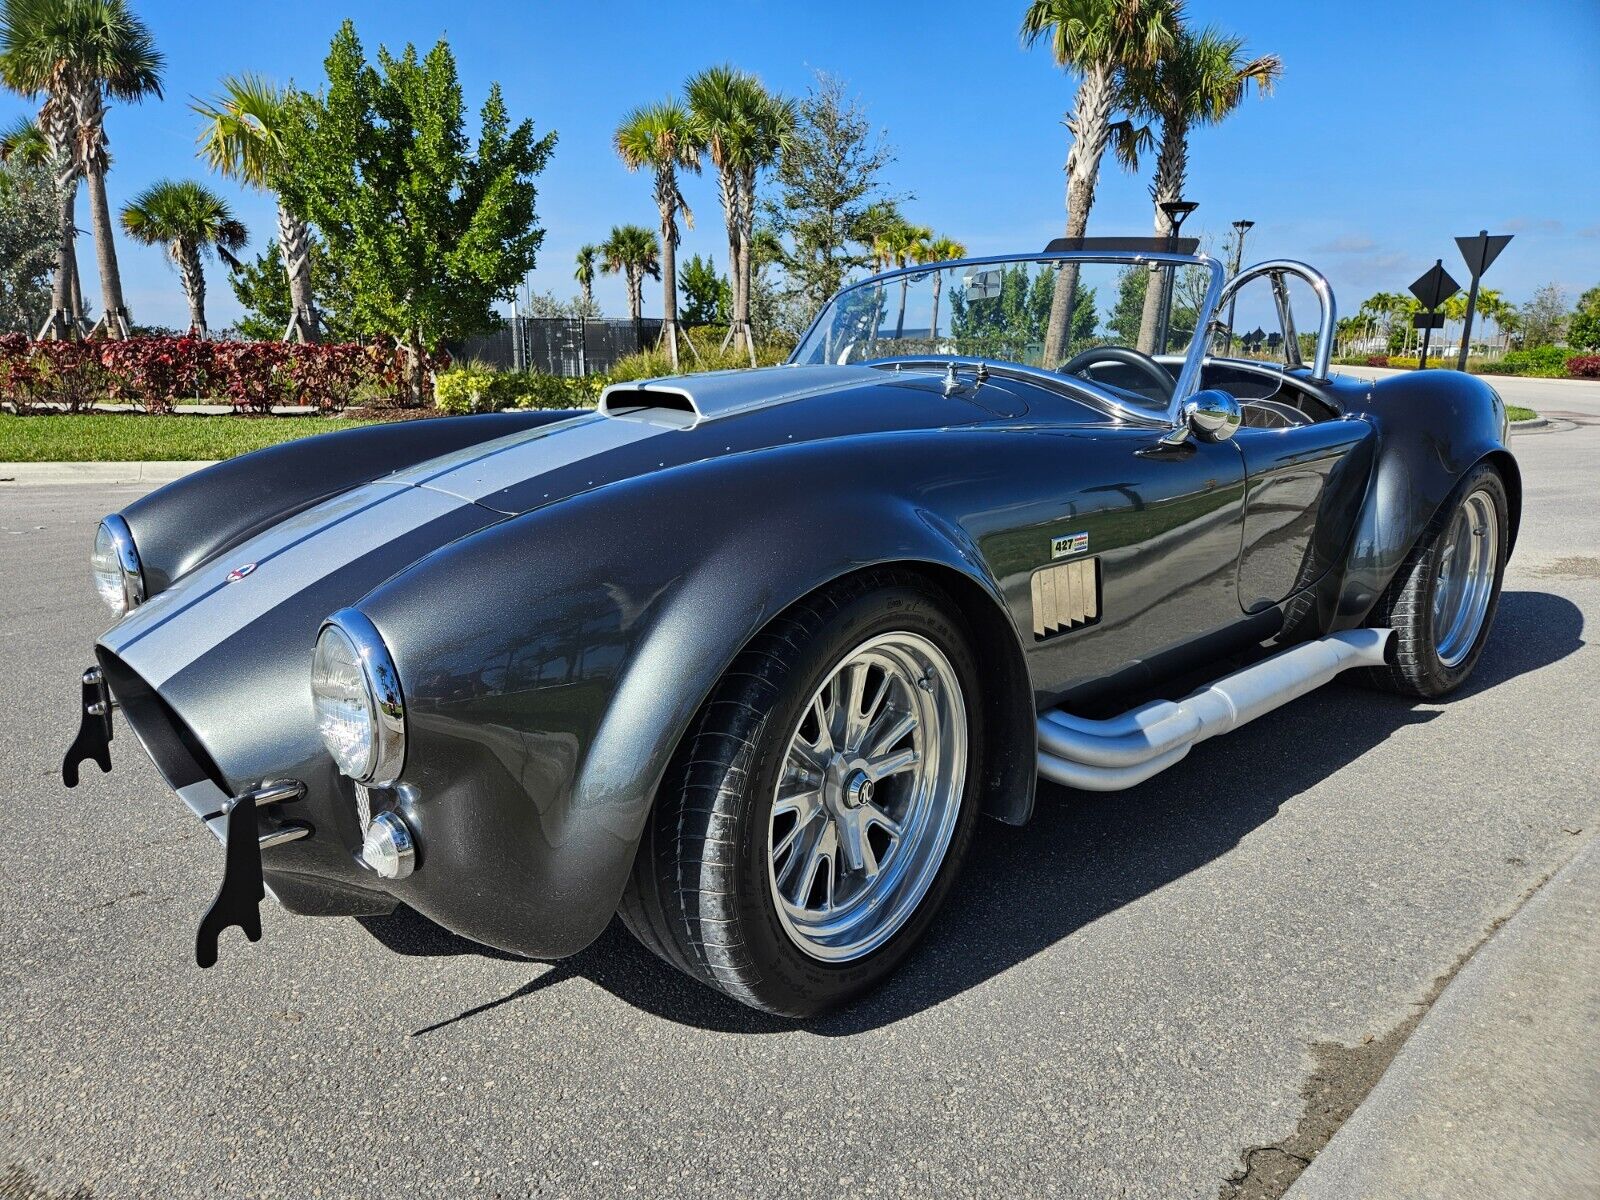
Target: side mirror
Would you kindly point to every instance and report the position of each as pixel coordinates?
(1208, 416)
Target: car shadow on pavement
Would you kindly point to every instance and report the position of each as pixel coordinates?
(1082, 856)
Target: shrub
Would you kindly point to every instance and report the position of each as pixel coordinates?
(530, 389)
(1377, 360)
(468, 388)
(1584, 366)
(1544, 362)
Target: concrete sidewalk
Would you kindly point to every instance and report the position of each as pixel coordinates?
(1497, 1093)
(95, 472)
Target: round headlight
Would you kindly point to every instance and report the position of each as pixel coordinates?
(118, 577)
(355, 693)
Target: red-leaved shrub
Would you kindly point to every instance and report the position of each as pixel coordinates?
(159, 372)
(1584, 366)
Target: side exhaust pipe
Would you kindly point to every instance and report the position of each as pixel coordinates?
(1121, 751)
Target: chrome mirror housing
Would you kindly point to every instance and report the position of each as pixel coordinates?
(1208, 416)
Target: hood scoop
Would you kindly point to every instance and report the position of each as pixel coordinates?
(684, 401)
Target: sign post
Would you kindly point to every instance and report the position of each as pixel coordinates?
(1478, 252)
(1432, 290)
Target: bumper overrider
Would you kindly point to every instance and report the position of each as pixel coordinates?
(256, 819)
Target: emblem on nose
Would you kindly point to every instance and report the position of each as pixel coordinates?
(239, 573)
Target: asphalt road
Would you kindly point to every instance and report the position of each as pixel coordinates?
(1121, 999)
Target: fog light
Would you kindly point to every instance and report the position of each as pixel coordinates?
(389, 849)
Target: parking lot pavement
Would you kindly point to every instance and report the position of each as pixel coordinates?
(1129, 997)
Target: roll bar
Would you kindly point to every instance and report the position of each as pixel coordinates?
(1275, 270)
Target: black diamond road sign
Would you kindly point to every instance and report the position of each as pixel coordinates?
(1435, 286)
(1482, 250)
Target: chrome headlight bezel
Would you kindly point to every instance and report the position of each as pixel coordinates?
(118, 573)
(385, 703)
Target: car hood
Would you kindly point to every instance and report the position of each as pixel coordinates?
(657, 425)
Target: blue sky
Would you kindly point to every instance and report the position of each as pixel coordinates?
(1395, 128)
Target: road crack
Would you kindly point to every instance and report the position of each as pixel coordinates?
(1341, 1079)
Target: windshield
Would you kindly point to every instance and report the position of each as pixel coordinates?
(1017, 311)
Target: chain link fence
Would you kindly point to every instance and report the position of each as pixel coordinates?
(569, 346)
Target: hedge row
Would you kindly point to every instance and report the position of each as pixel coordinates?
(473, 387)
(1546, 362)
(159, 372)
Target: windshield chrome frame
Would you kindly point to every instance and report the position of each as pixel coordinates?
(1188, 381)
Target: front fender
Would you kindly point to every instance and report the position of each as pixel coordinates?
(553, 662)
(1432, 428)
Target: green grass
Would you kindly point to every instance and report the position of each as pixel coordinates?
(1517, 413)
(136, 437)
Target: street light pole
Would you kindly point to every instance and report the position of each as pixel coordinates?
(1177, 212)
(1240, 228)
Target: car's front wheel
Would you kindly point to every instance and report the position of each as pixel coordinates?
(816, 815)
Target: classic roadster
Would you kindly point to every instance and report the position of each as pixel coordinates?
(743, 656)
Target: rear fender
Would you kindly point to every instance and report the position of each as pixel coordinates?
(1432, 428)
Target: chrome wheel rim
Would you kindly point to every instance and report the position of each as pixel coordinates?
(1464, 584)
(868, 797)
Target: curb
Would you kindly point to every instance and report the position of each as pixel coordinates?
(1530, 423)
(21, 473)
(1492, 1093)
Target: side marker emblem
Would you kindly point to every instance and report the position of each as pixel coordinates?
(1069, 543)
(239, 573)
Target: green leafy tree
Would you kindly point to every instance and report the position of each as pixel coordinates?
(1544, 317)
(827, 180)
(744, 129)
(30, 230)
(1123, 323)
(241, 137)
(261, 286)
(1200, 78)
(632, 252)
(192, 222)
(707, 296)
(428, 229)
(77, 56)
(1098, 41)
(664, 139)
(1008, 326)
(1583, 330)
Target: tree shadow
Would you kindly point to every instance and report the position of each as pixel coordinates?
(1082, 856)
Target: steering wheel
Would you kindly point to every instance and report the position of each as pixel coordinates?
(1149, 367)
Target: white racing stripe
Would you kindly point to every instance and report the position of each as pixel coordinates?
(200, 611)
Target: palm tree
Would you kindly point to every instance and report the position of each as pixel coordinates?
(632, 251)
(899, 245)
(938, 250)
(662, 137)
(585, 274)
(1200, 79)
(77, 55)
(241, 138)
(744, 128)
(191, 222)
(1098, 40)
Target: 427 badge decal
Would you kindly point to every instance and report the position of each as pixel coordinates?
(1068, 544)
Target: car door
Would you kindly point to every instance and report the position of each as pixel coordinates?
(1304, 486)
(1113, 550)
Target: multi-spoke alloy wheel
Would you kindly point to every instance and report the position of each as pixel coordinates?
(868, 797)
(1441, 602)
(816, 814)
(1469, 559)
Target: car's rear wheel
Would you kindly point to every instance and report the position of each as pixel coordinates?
(817, 813)
(1441, 603)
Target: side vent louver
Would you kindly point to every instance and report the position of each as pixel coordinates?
(1065, 597)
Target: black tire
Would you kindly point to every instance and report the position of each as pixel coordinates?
(699, 895)
(1415, 668)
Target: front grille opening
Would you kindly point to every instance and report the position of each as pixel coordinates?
(166, 737)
